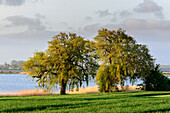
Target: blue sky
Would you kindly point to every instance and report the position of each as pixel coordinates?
(27, 25)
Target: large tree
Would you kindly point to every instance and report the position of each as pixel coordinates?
(120, 57)
(67, 61)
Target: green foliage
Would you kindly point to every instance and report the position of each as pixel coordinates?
(119, 102)
(66, 61)
(156, 81)
(120, 57)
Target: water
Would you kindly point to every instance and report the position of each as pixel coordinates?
(165, 69)
(17, 82)
(127, 82)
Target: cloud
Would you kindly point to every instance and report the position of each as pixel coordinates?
(115, 16)
(140, 24)
(22, 44)
(33, 24)
(103, 13)
(150, 32)
(64, 23)
(125, 13)
(35, 30)
(153, 33)
(29, 37)
(40, 16)
(90, 31)
(1, 1)
(15, 2)
(88, 18)
(149, 6)
(142, 29)
(121, 15)
(113, 19)
(12, 2)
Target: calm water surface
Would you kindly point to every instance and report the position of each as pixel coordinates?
(17, 82)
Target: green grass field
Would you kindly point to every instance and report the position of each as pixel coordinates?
(141, 101)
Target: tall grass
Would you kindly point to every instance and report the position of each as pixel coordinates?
(141, 101)
(27, 93)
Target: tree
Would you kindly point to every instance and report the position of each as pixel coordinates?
(156, 81)
(14, 64)
(66, 61)
(20, 63)
(120, 57)
(6, 66)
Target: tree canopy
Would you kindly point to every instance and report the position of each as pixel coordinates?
(67, 61)
(70, 60)
(120, 57)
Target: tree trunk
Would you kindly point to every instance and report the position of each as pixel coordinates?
(110, 90)
(110, 61)
(62, 87)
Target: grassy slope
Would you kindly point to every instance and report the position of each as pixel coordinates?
(99, 102)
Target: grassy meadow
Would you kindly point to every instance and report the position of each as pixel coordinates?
(138, 101)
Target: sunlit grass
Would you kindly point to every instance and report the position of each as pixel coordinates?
(140, 101)
(162, 96)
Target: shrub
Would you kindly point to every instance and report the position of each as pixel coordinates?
(156, 81)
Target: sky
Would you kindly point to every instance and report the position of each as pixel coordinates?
(27, 25)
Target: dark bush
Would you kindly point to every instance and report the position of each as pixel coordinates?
(156, 81)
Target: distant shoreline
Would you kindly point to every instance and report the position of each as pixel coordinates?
(166, 75)
(9, 73)
(21, 73)
(26, 73)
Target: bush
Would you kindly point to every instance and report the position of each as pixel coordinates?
(156, 81)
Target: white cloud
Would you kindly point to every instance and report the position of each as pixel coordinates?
(103, 13)
(16, 2)
(40, 16)
(29, 37)
(149, 32)
(34, 30)
(1, 1)
(89, 31)
(125, 13)
(33, 24)
(139, 24)
(149, 6)
(12, 2)
(113, 19)
(88, 18)
(142, 29)
(22, 45)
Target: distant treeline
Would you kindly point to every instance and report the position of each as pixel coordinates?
(165, 68)
(14, 65)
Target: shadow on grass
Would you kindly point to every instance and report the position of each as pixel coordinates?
(60, 99)
(43, 107)
(158, 110)
(145, 95)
